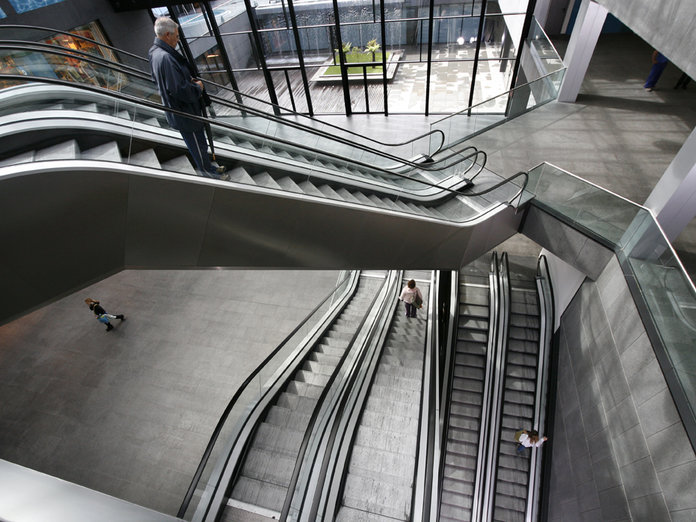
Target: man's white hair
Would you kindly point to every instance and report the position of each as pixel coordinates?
(164, 25)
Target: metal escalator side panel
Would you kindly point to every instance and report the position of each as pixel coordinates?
(546, 329)
(214, 496)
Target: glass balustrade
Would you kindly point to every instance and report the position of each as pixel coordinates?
(636, 236)
(539, 90)
(253, 390)
(330, 175)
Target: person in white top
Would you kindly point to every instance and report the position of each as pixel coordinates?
(412, 298)
(528, 439)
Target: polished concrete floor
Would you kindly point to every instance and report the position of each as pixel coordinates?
(129, 412)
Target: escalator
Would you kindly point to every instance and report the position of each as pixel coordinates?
(495, 388)
(468, 399)
(266, 471)
(121, 153)
(521, 372)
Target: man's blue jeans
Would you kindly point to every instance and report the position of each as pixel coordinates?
(198, 147)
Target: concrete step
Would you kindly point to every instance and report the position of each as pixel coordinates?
(347, 514)
(297, 403)
(304, 389)
(62, 151)
(392, 423)
(282, 441)
(317, 367)
(240, 175)
(288, 184)
(401, 443)
(311, 378)
(268, 467)
(376, 497)
(180, 164)
(401, 409)
(145, 158)
(392, 468)
(105, 152)
(264, 179)
(259, 493)
(287, 418)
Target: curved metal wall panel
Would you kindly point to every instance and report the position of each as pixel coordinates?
(63, 229)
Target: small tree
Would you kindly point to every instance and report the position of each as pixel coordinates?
(372, 47)
(345, 49)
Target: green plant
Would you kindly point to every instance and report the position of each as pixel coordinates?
(372, 47)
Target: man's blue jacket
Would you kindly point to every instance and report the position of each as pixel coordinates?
(173, 77)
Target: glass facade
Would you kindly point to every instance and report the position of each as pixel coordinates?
(346, 56)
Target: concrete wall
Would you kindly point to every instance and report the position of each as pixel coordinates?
(619, 450)
(666, 25)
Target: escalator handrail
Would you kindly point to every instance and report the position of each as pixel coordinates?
(237, 93)
(332, 476)
(232, 402)
(127, 70)
(228, 126)
(338, 407)
(478, 502)
(445, 394)
(547, 326)
(498, 389)
(429, 413)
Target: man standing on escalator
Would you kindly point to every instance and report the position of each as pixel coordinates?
(181, 91)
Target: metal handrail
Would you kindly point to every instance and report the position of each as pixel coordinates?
(228, 126)
(234, 91)
(429, 414)
(498, 388)
(348, 380)
(547, 318)
(127, 70)
(478, 502)
(445, 394)
(233, 401)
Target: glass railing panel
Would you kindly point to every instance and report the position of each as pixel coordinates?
(486, 115)
(634, 233)
(317, 161)
(587, 205)
(540, 42)
(251, 393)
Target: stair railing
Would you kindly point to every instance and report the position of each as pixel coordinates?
(496, 408)
(152, 105)
(273, 365)
(318, 459)
(547, 326)
(437, 134)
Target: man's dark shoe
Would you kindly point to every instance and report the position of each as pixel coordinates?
(109, 327)
(121, 317)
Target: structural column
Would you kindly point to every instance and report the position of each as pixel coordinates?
(583, 40)
(673, 200)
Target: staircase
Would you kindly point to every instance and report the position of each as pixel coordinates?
(379, 480)
(270, 459)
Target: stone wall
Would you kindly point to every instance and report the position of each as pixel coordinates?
(619, 449)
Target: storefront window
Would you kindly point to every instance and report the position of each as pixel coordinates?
(48, 65)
